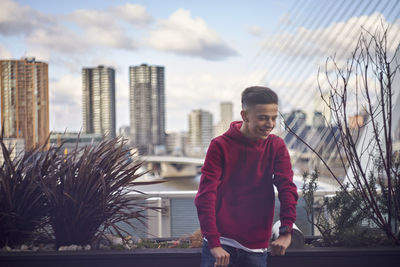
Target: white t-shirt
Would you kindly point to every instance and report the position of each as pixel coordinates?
(233, 243)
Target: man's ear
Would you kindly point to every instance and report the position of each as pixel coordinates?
(244, 115)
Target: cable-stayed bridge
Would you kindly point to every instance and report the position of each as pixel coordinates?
(293, 62)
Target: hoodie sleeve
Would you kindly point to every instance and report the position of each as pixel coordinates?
(206, 197)
(287, 190)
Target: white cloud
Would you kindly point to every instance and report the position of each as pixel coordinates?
(185, 35)
(66, 103)
(57, 38)
(133, 13)
(16, 19)
(95, 28)
(69, 86)
(100, 28)
(111, 28)
(115, 38)
(122, 100)
(104, 27)
(93, 18)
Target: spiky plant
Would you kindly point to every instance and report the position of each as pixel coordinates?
(88, 192)
(22, 203)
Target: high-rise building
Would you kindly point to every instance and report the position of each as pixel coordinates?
(226, 109)
(176, 143)
(98, 100)
(24, 86)
(296, 120)
(200, 132)
(147, 108)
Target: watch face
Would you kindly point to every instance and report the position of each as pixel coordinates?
(283, 230)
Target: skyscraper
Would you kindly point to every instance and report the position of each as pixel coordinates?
(147, 108)
(200, 132)
(226, 109)
(98, 100)
(24, 89)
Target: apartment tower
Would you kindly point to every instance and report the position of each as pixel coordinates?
(24, 86)
(200, 132)
(147, 108)
(226, 117)
(98, 100)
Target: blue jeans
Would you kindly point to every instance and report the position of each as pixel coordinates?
(238, 257)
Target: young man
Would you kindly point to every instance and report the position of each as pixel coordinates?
(235, 201)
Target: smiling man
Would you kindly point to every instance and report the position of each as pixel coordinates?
(235, 201)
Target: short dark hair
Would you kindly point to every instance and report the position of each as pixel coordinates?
(254, 95)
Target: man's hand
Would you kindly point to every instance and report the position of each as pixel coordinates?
(279, 246)
(221, 256)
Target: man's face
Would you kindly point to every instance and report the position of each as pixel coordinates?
(260, 120)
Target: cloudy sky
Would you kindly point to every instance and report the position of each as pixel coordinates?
(211, 50)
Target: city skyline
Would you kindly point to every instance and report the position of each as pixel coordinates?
(210, 55)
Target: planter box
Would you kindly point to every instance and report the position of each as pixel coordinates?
(339, 257)
(326, 257)
(107, 258)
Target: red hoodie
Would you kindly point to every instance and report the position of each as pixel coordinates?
(236, 196)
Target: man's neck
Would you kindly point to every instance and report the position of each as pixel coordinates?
(244, 129)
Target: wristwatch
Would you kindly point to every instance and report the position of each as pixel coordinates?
(283, 230)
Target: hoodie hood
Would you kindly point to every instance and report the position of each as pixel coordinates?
(234, 133)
